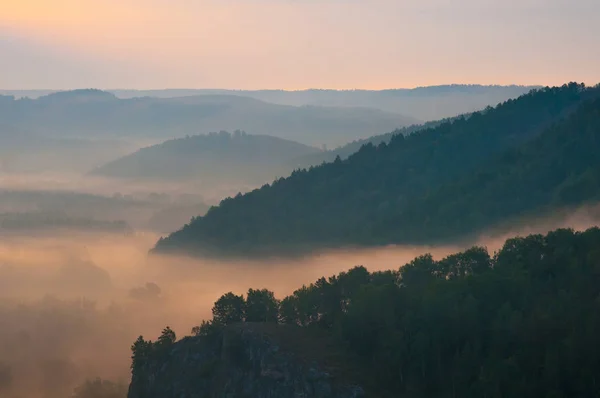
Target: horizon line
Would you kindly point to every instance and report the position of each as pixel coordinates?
(278, 89)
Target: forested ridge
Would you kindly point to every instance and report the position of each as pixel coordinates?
(215, 157)
(558, 169)
(421, 187)
(345, 151)
(521, 322)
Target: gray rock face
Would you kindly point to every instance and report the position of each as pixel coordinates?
(242, 363)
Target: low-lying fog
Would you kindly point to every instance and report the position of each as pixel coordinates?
(71, 303)
(99, 185)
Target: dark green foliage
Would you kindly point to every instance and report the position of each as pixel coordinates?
(140, 352)
(560, 168)
(166, 338)
(228, 309)
(521, 323)
(261, 306)
(346, 150)
(143, 351)
(435, 184)
(99, 388)
(206, 328)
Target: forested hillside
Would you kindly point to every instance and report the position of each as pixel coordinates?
(520, 323)
(211, 158)
(558, 169)
(351, 202)
(344, 151)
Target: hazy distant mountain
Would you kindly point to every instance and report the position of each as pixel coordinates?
(95, 113)
(532, 154)
(424, 103)
(216, 158)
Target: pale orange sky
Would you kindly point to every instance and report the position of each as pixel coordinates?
(294, 44)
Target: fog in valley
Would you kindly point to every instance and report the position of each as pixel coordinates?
(72, 302)
(343, 199)
(89, 182)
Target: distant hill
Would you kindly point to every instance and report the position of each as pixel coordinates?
(423, 187)
(423, 103)
(216, 158)
(95, 113)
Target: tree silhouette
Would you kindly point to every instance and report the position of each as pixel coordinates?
(228, 309)
(261, 306)
(167, 337)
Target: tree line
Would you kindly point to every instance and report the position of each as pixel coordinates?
(522, 321)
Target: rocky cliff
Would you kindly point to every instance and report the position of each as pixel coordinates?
(247, 360)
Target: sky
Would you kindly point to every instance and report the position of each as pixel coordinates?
(296, 44)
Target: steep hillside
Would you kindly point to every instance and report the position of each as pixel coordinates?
(346, 150)
(95, 113)
(558, 169)
(210, 159)
(348, 202)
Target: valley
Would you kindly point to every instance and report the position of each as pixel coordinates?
(441, 245)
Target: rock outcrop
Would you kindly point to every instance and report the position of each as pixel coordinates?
(241, 362)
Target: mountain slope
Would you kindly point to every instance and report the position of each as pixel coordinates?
(213, 158)
(346, 202)
(560, 168)
(346, 150)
